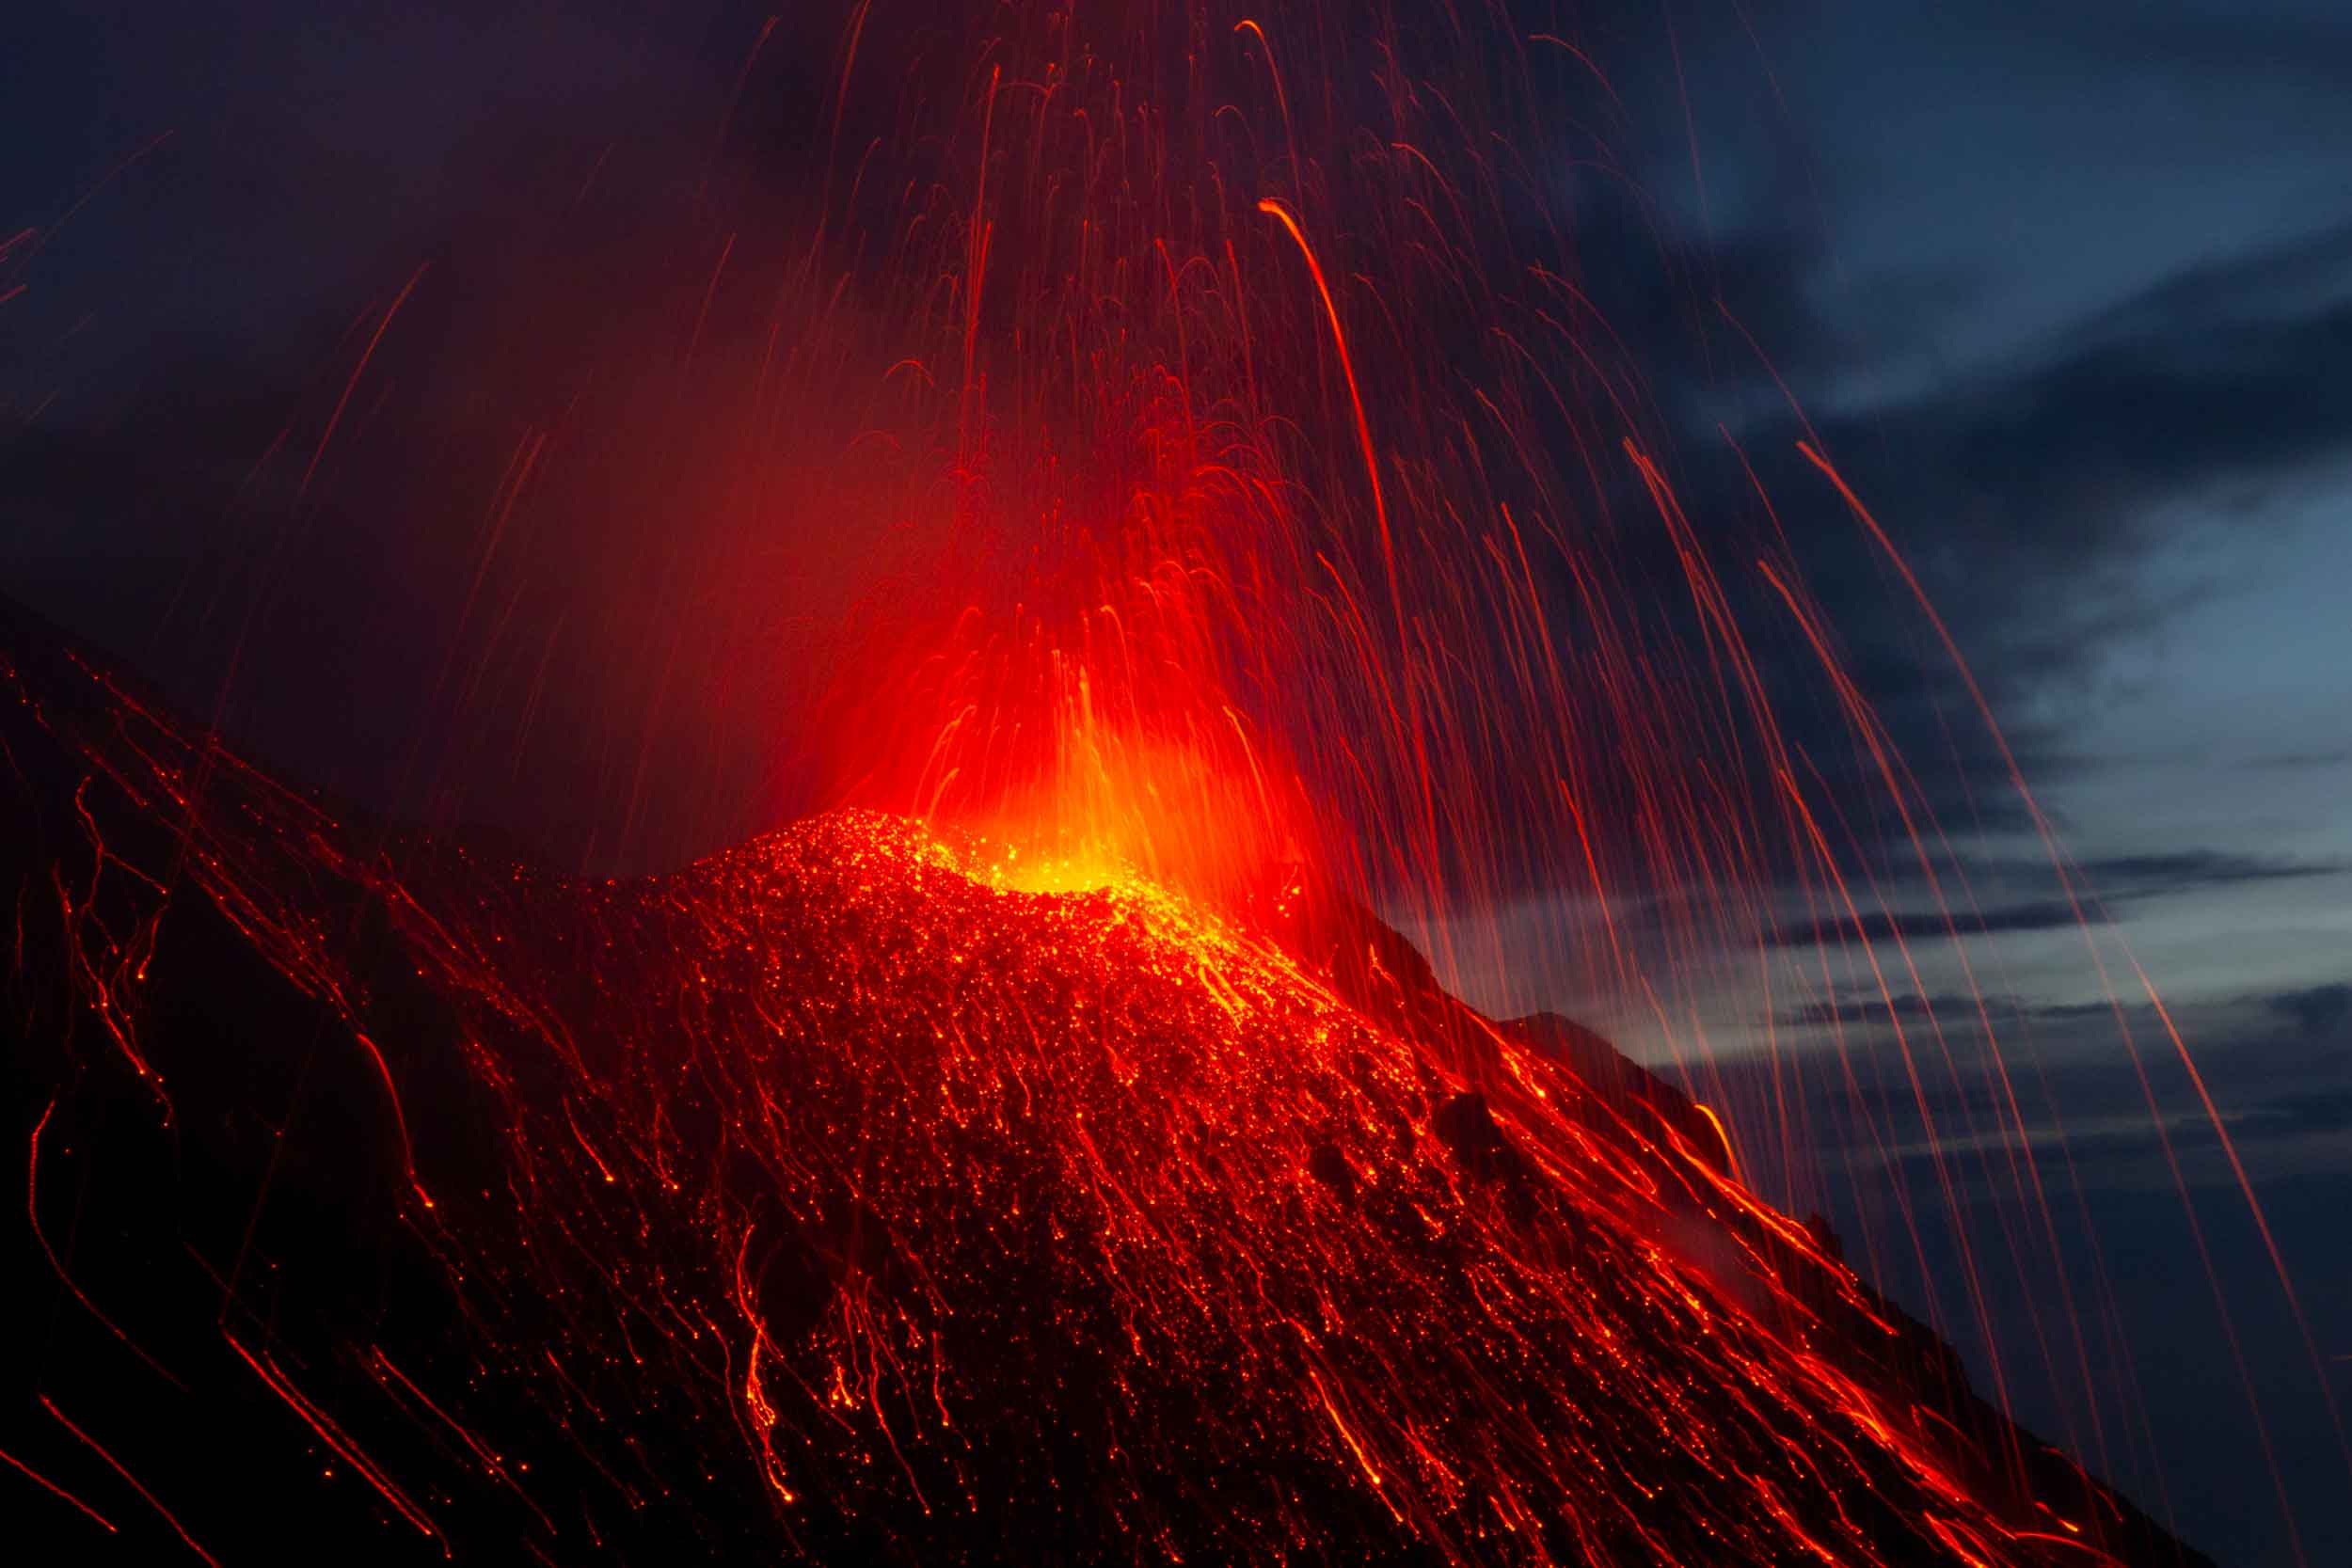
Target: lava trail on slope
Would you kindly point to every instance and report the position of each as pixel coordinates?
(837, 1199)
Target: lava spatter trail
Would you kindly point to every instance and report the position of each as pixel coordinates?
(840, 1197)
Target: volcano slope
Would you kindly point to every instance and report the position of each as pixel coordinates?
(834, 1200)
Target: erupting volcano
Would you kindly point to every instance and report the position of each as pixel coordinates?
(1183, 607)
(844, 1197)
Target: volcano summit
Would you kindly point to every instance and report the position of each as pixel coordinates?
(838, 1200)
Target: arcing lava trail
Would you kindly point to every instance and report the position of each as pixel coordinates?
(835, 1199)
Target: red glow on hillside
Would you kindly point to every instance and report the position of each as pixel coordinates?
(1169, 1224)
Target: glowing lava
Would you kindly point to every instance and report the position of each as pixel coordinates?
(958, 1220)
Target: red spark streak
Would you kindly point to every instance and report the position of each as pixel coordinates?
(1354, 398)
(335, 1438)
(115, 1465)
(335, 419)
(53, 1487)
(32, 1212)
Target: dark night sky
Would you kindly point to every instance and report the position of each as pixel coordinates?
(2068, 289)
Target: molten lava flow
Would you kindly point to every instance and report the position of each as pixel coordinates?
(956, 1218)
